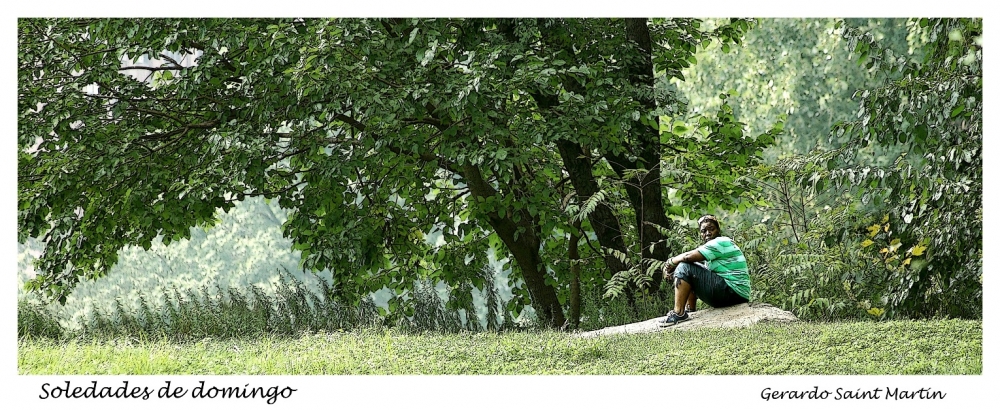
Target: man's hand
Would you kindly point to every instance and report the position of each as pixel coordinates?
(668, 272)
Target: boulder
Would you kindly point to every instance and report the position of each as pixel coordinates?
(742, 315)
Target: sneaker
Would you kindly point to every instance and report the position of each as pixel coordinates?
(690, 309)
(673, 318)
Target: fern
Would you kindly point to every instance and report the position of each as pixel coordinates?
(589, 206)
(616, 285)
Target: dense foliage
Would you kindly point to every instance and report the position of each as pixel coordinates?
(873, 205)
(409, 151)
(931, 239)
(373, 133)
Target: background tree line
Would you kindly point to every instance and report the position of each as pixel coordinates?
(577, 147)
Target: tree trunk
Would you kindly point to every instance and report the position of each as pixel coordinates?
(602, 219)
(581, 172)
(573, 254)
(521, 238)
(645, 193)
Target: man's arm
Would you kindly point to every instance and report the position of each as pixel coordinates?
(691, 256)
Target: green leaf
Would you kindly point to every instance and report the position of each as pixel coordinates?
(680, 127)
(413, 35)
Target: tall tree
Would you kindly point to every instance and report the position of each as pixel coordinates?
(371, 132)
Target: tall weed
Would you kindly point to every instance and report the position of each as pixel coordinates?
(291, 309)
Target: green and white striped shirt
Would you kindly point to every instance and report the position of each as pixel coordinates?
(726, 260)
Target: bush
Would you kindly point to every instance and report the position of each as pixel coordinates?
(36, 320)
(292, 309)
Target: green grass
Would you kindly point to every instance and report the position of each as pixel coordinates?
(858, 348)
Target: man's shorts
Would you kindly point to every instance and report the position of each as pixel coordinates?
(708, 286)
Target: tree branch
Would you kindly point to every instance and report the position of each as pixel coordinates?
(428, 157)
(180, 131)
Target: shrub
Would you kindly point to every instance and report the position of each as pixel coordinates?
(36, 320)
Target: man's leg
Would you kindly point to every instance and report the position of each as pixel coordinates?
(692, 301)
(682, 293)
(691, 274)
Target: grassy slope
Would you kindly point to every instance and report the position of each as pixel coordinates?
(888, 348)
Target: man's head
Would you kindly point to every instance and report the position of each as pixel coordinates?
(708, 227)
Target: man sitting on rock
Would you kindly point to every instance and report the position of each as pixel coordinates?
(722, 281)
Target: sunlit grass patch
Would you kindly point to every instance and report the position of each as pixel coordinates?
(875, 348)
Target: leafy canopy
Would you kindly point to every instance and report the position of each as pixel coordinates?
(373, 133)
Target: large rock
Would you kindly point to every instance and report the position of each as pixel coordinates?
(741, 315)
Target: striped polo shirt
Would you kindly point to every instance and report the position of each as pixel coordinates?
(726, 260)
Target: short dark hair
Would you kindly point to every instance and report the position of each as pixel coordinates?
(710, 218)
